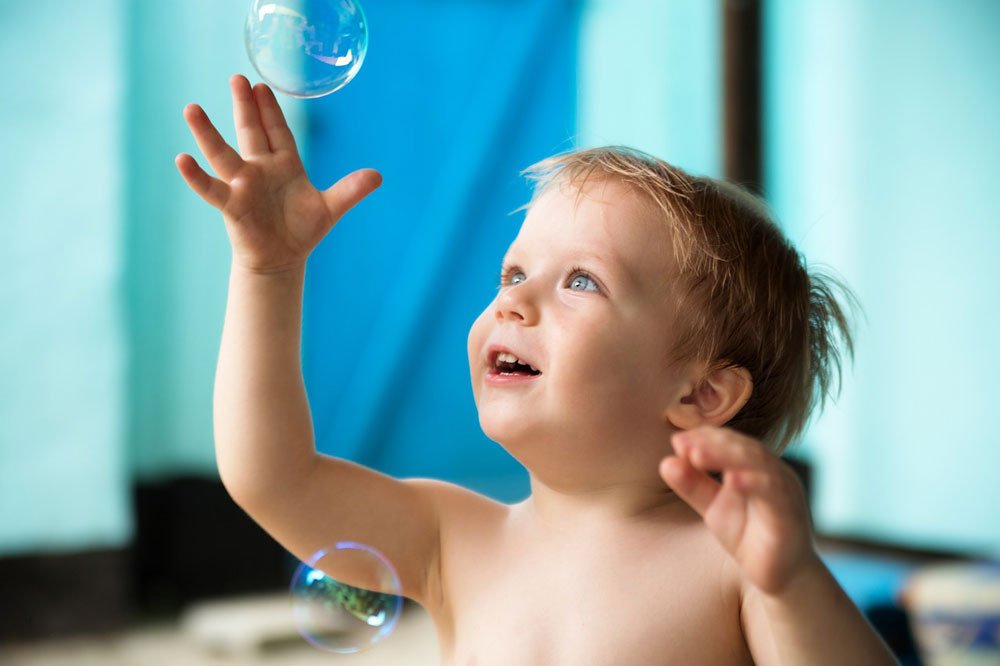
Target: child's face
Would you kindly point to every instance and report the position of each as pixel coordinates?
(586, 300)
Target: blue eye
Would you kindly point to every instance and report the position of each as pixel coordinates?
(582, 282)
(511, 276)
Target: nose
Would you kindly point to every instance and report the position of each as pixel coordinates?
(515, 305)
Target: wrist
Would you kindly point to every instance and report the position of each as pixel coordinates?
(810, 577)
(273, 288)
(812, 620)
(290, 270)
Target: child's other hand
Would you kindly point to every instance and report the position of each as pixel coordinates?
(273, 214)
(758, 513)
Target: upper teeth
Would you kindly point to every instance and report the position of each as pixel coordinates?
(507, 357)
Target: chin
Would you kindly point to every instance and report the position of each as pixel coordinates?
(510, 431)
(500, 430)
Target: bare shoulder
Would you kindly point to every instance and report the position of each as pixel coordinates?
(456, 502)
(464, 517)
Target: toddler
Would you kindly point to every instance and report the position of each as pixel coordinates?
(654, 344)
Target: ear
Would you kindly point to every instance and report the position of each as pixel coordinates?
(713, 400)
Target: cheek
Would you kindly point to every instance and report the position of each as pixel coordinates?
(618, 367)
(478, 334)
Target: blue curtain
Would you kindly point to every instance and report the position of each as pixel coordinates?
(455, 98)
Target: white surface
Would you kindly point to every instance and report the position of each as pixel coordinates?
(413, 643)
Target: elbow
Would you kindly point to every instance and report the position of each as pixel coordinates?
(239, 489)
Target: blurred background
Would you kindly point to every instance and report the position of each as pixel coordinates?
(870, 129)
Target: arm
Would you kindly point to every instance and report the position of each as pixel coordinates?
(263, 428)
(263, 431)
(793, 611)
(811, 621)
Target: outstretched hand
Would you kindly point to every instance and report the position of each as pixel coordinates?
(758, 512)
(273, 214)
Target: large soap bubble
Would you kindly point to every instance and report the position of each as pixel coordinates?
(338, 617)
(306, 48)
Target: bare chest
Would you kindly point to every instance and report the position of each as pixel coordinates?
(606, 606)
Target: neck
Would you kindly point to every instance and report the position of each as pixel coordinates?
(614, 505)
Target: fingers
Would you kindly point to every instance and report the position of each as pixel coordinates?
(212, 190)
(250, 134)
(704, 450)
(693, 486)
(351, 189)
(224, 160)
(717, 449)
(747, 466)
(273, 120)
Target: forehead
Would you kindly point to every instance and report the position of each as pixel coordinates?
(606, 220)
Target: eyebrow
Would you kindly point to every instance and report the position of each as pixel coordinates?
(612, 264)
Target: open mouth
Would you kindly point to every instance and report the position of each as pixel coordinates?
(508, 365)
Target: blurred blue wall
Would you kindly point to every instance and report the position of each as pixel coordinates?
(455, 98)
(115, 274)
(651, 77)
(63, 465)
(177, 253)
(883, 147)
(176, 250)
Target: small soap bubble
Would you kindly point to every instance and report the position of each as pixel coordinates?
(306, 48)
(338, 617)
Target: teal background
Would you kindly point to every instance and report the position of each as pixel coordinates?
(884, 163)
(114, 273)
(651, 77)
(63, 469)
(883, 154)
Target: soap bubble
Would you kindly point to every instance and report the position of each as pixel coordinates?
(342, 618)
(306, 48)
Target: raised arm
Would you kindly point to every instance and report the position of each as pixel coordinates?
(263, 430)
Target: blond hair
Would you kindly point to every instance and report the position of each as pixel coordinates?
(748, 298)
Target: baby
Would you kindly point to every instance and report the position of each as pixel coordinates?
(654, 344)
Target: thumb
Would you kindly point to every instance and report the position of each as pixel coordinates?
(349, 190)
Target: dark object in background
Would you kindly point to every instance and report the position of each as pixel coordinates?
(191, 542)
(741, 93)
(49, 595)
(803, 470)
(893, 624)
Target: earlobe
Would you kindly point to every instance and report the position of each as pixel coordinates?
(715, 400)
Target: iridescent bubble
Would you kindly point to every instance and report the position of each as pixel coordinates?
(338, 617)
(306, 48)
